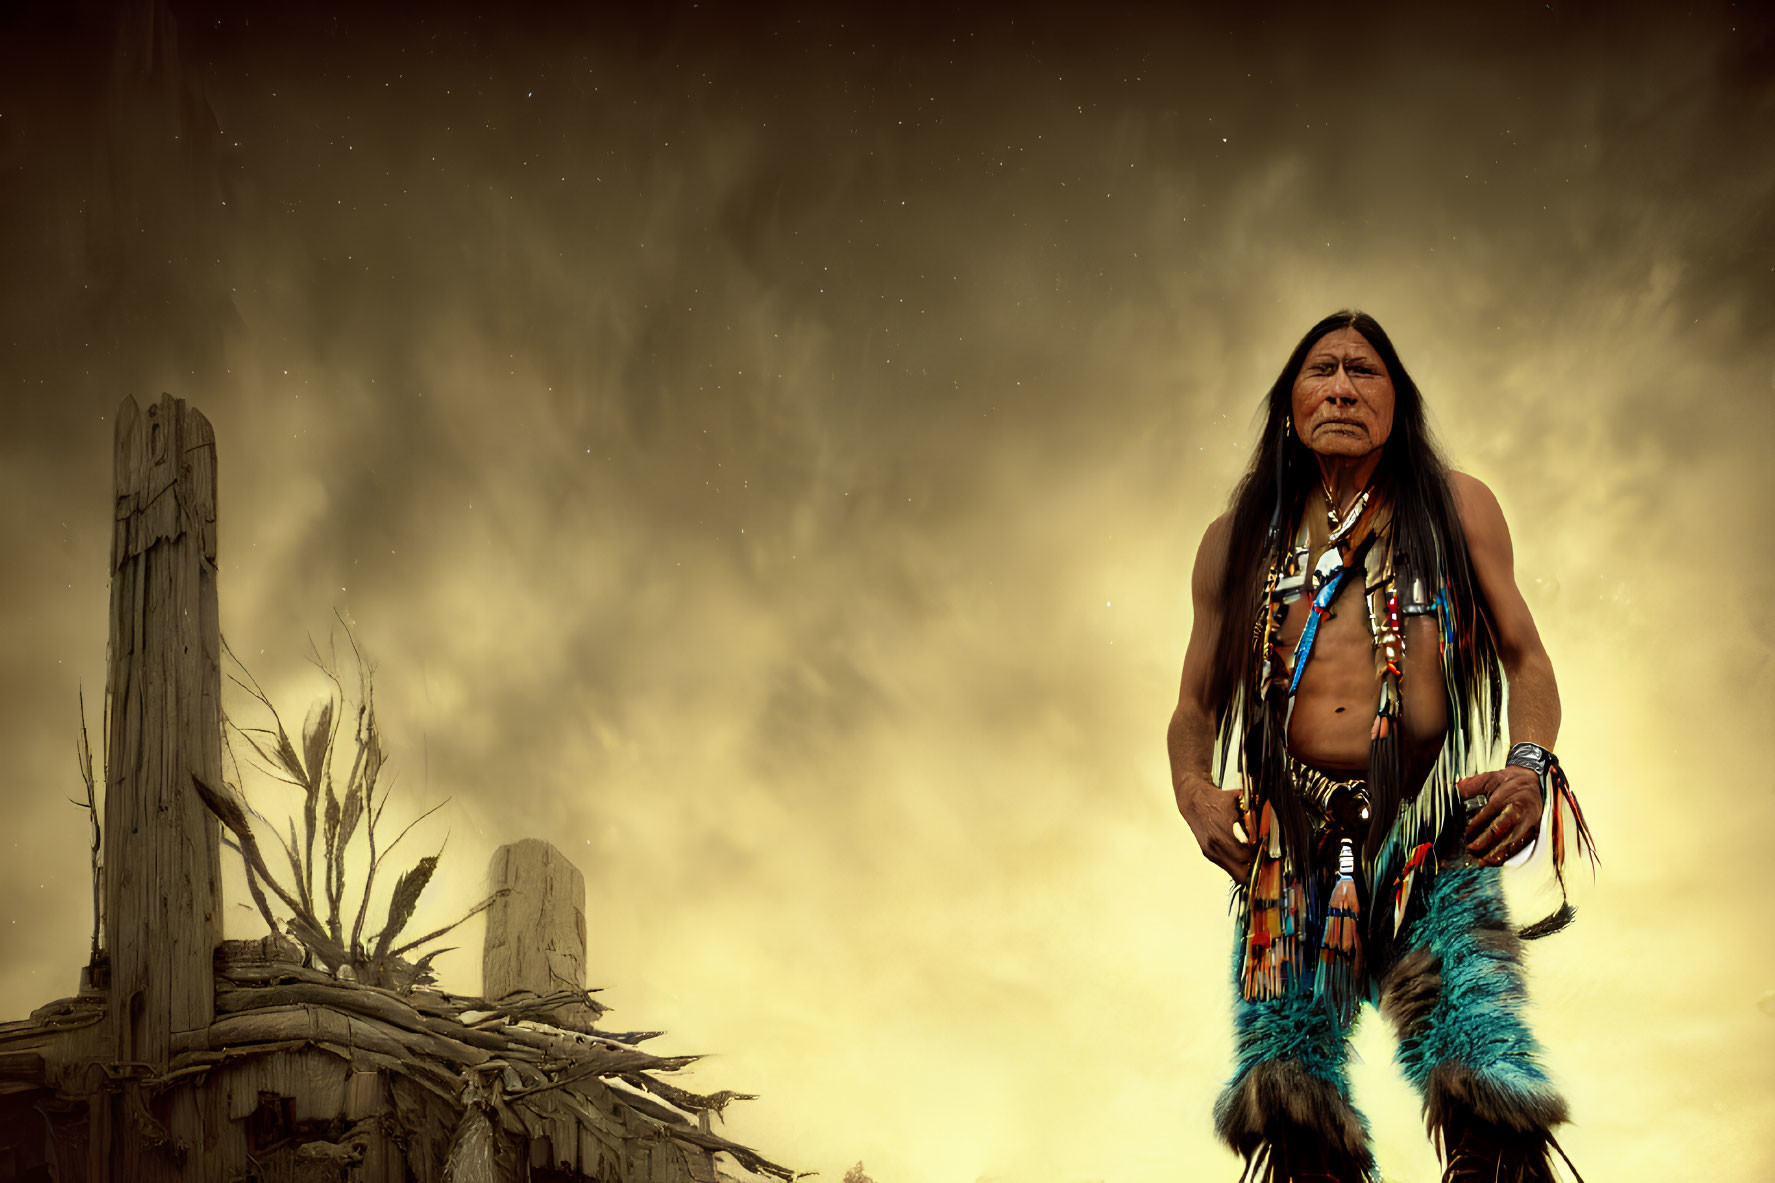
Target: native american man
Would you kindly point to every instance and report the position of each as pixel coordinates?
(1356, 617)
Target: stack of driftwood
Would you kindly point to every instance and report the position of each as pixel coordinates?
(302, 1077)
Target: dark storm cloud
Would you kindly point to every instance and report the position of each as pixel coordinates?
(765, 454)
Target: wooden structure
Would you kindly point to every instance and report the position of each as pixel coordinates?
(536, 934)
(162, 889)
(184, 1057)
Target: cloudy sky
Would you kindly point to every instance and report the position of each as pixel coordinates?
(764, 455)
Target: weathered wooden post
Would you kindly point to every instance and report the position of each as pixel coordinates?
(536, 934)
(162, 865)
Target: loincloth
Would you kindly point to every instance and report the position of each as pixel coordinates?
(1304, 930)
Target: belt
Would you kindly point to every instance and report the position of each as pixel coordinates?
(1336, 803)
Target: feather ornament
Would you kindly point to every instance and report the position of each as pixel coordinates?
(1402, 890)
(1562, 804)
(1340, 949)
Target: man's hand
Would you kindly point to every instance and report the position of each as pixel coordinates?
(1511, 816)
(1212, 815)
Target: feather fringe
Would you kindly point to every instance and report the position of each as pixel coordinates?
(1274, 918)
(1285, 1162)
(1475, 1150)
(1549, 924)
(1561, 804)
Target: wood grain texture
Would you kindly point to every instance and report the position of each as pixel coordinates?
(536, 934)
(162, 866)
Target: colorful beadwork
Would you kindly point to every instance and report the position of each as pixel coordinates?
(1282, 921)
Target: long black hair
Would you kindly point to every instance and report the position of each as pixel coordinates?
(1429, 551)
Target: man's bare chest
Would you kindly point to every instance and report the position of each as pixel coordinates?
(1361, 626)
(1343, 634)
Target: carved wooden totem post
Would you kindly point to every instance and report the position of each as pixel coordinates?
(163, 915)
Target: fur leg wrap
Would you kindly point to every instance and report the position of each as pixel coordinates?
(1288, 1106)
(1479, 1151)
(1456, 997)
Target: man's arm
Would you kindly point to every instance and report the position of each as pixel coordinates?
(1513, 808)
(1211, 812)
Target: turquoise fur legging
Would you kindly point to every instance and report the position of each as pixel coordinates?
(1455, 997)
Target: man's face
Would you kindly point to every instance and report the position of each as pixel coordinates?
(1343, 396)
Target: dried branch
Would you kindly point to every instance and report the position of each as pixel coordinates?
(229, 813)
(333, 854)
(371, 813)
(317, 738)
(337, 821)
(366, 763)
(258, 893)
(715, 1103)
(83, 755)
(296, 865)
(285, 755)
(436, 933)
(370, 745)
(289, 853)
(376, 859)
(317, 735)
(401, 904)
(350, 813)
(411, 824)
